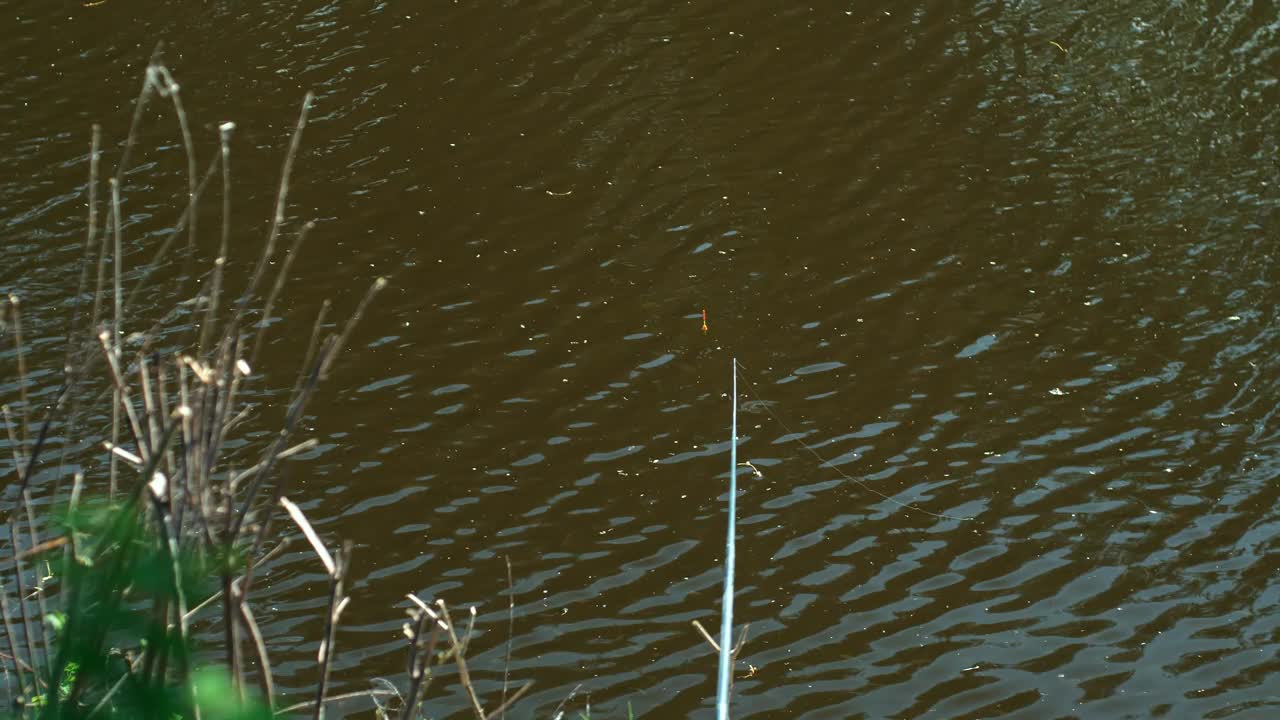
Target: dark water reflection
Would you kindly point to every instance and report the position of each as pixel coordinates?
(1006, 260)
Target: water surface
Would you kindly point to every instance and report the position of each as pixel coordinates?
(1006, 261)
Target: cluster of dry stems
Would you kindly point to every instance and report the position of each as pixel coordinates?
(172, 414)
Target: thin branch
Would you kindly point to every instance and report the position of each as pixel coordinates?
(117, 263)
(281, 277)
(265, 682)
(715, 646)
(219, 263)
(337, 603)
(123, 399)
(372, 692)
(277, 219)
(502, 709)
(511, 631)
(374, 289)
(18, 571)
(43, 621)
(19, 348)
(173, 233)
(418, 662)
(309, 532)
(461, 660)
(11, 636)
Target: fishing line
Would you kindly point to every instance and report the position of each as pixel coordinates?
(751, 387)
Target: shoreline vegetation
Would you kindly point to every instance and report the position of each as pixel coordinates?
(122, 545)
(117, 546)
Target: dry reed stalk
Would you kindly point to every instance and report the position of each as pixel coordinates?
(168, 88)
(72, 367)
(558, 713)
(122, 398)
(501, 710)
(41, 604)
(338, 601)
(265, 682)
(69, 553)
(20, 350)
(91, 237)
(281, 278)
(11, 429)
(459, 657)
(150, 404)
(511, 632)
(18, 571)
(158, 489)
(18, 665)
(231, 604)
(195, 500)
(277, 218)
(173, 232)
(219, 263)
(421, 650)
(306, 704)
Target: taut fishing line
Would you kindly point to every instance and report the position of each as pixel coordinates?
(751, 387)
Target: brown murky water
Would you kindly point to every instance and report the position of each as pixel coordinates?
(1012, 261)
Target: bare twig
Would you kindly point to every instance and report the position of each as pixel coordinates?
(173, 232)
(231, 602)
(117, 263)
(337, 603)
(265, 682)
(169, 88)
(18, 572)
(19, 348)
(144, 94)
(419, 659)
(18, 665)
(277, 219)
(272, 555)
(559, 711)
(309, 532)
(336, 698)
(281, 277)
(501, 711)
(373, 290)
(459, 657)
(303, 389)
(122, 397)
(18, 462)
(72, 368)
(91, 237)
(715, 646)
(34, 536)
(219, 263)
(511, 631)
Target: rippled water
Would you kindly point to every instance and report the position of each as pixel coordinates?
(1008, 261)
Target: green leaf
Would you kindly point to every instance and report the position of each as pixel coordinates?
(218, 700)
(57, 622)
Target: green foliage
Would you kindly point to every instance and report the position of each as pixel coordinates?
(64, 686)
(117, 649)
(218, 700)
